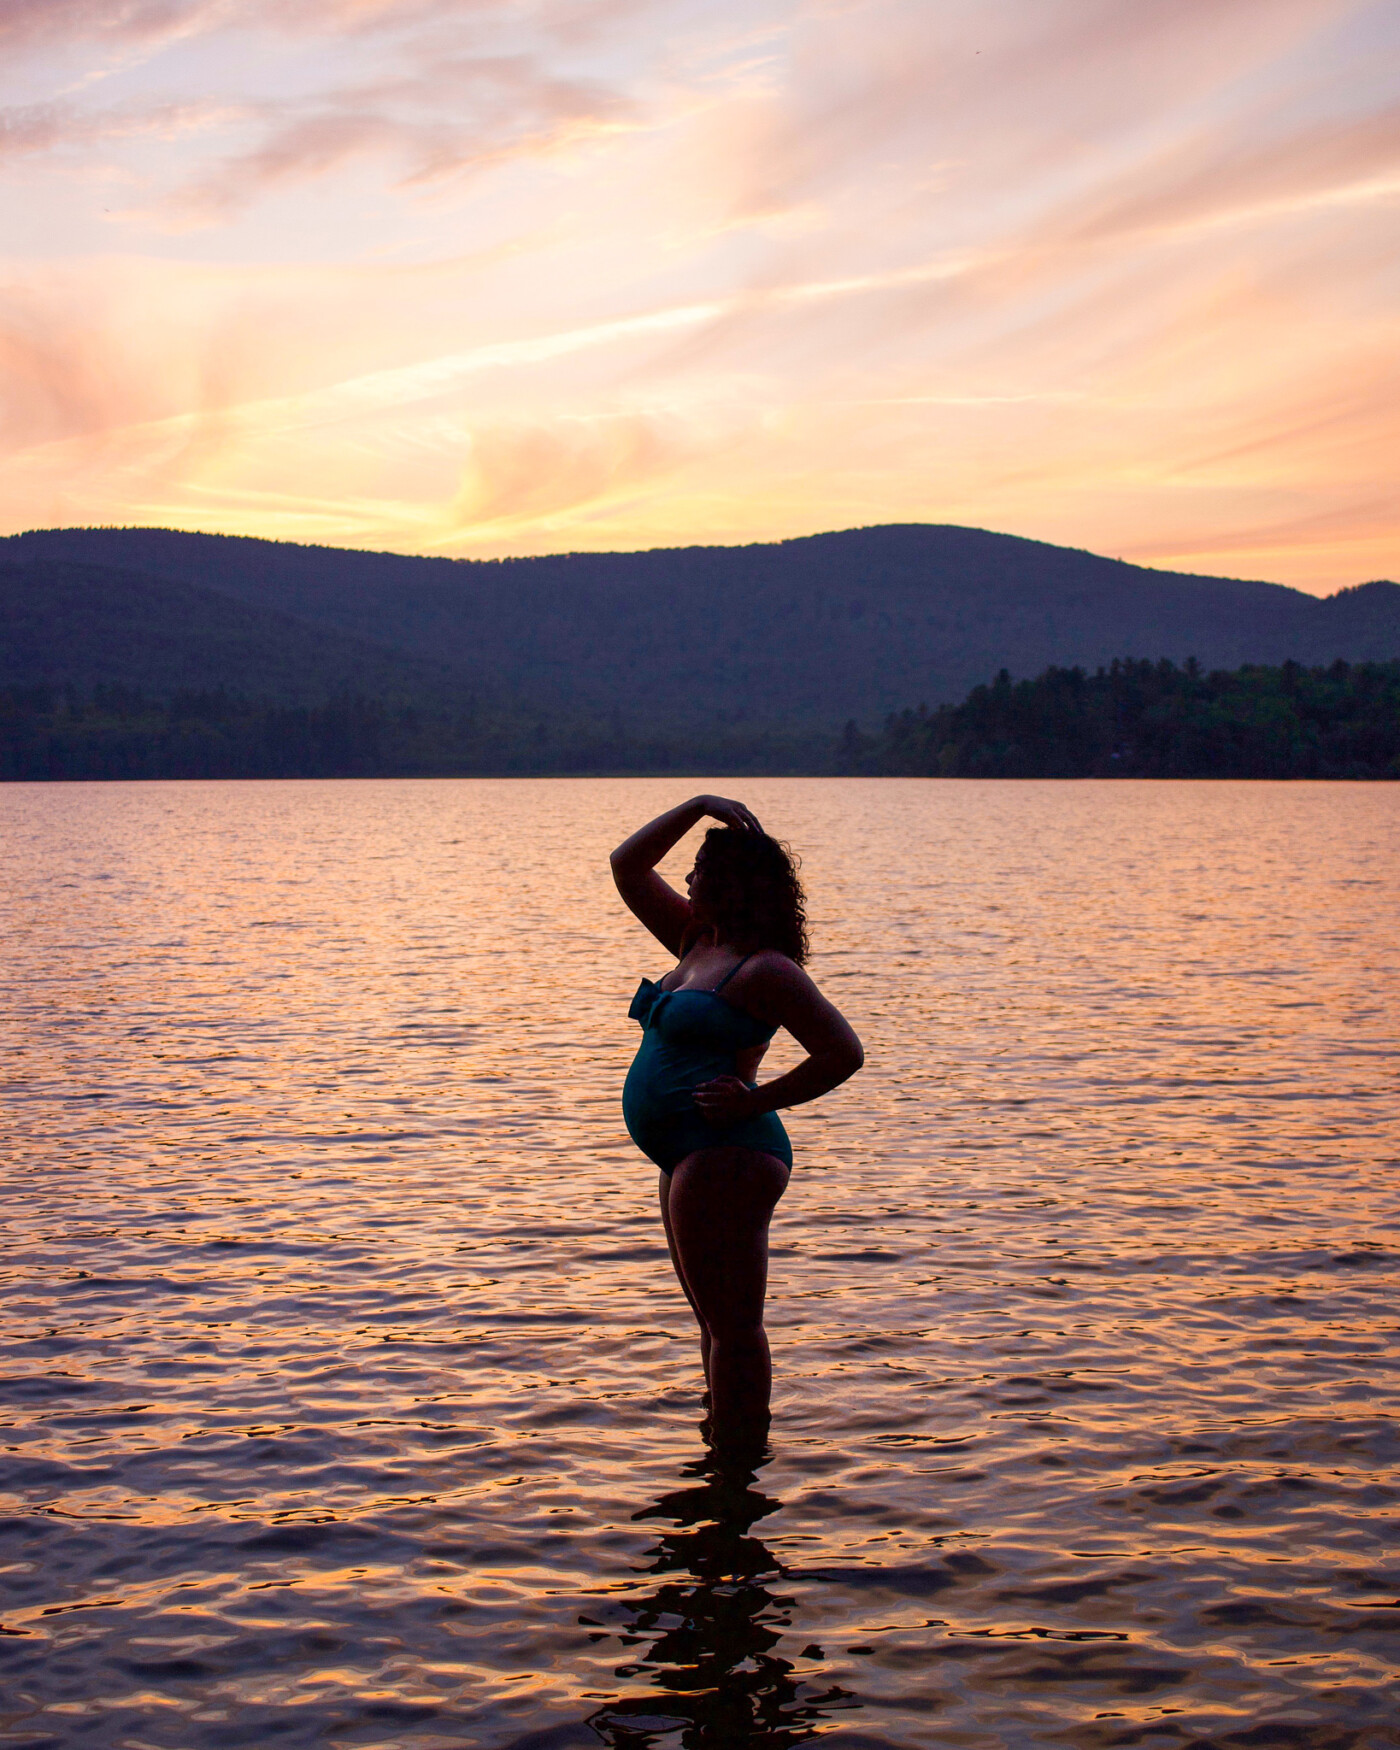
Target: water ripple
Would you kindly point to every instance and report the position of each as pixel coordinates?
(347, 1398)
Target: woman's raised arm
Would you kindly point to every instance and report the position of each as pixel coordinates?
(654, 901)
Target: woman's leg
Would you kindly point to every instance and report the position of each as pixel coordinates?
(720, 1202)
(665, 1190)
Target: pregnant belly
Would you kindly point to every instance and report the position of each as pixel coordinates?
(661, 1084)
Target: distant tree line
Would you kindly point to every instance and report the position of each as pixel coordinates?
(1152, 720)
(113, 731)
(1133, 719)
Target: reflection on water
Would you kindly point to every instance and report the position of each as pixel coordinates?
(706, 1636)
(346, 1396)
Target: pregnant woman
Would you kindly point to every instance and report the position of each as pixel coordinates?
(691, 1101)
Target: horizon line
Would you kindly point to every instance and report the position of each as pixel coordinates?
(690, 547)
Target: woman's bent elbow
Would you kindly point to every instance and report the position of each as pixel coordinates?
(844, 1062)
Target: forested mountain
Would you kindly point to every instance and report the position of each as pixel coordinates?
(802, 633)
(91, 625)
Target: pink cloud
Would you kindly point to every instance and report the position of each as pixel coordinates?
(58, 374)
(466, 113)
(26, 23)
(995, 88)
(519, 473)
(459, 87)
(43, 24)
(59, 127)
(1228, 171)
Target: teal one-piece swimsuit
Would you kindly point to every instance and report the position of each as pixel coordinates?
(689, 1037)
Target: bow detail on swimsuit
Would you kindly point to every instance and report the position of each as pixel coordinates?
(644, 1001)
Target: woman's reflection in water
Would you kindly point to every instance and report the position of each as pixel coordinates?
(706, 1638)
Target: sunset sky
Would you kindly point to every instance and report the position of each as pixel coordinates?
(471, 277)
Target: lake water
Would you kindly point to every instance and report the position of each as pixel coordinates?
(350, 1400)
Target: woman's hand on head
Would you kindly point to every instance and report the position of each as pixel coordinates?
(725, 1100)
(654, 901)
(729, 812)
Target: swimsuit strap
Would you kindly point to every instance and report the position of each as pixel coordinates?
(728, 975)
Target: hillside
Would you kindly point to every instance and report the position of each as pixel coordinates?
(91, 625)
(802, 633)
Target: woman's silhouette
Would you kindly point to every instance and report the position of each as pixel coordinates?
(691, 1102)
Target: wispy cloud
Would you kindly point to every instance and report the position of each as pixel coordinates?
(29, 24)
(465, 114)
(63, 127)
(38, 24)
(35, 26)
(457, 85)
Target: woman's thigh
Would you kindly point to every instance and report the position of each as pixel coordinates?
(719, 1204)
(664, 1189)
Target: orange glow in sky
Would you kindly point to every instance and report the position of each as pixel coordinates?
(516, 276)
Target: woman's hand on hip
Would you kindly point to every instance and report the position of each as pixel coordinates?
(726, 1100)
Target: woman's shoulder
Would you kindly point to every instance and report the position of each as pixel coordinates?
(772, 957)
(773, 987)
(770, 966)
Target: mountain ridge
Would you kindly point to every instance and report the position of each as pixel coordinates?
(854, 623)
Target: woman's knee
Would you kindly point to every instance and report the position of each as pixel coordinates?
(736, 1335)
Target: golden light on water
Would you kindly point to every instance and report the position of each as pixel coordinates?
(348, 1381)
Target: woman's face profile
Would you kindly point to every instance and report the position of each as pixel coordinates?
(693, 887)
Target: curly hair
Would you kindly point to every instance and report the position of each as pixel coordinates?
(747, 885)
